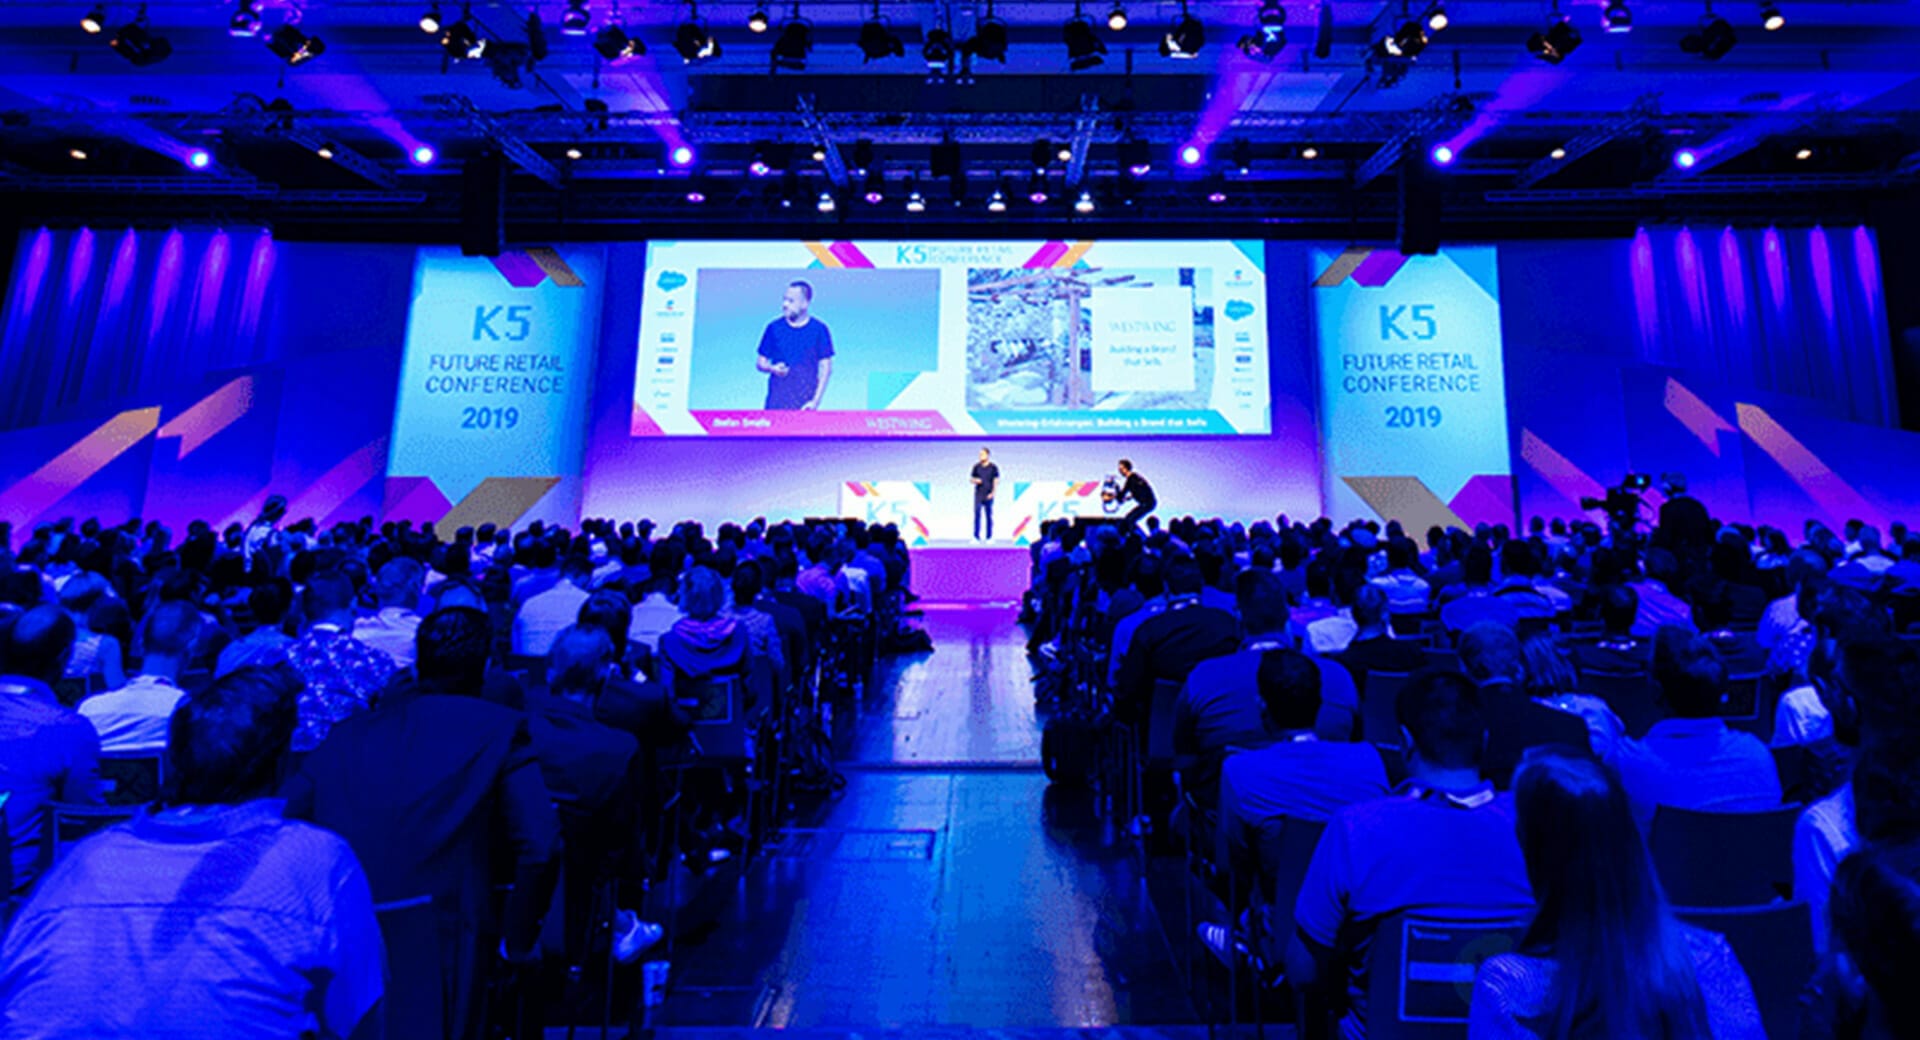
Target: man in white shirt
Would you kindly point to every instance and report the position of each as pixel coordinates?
(133, 719)
(390, 630)
(543, 616)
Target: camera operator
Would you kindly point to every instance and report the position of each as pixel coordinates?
(1133, 488)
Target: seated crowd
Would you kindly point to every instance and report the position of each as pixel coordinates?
(1546, 718)
(354, 764)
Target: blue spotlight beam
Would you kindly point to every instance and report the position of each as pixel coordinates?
(1745, 137)
(1630, 121)
(511, 146)
(1443, 115)
(817, 128)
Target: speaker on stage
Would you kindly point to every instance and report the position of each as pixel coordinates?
(1419, 205)
(483, 206)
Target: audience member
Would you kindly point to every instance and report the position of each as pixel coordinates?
(543, 614)
(94, 654)
(209, 916)
(1490, 657)
(48, 752)
(342, 675)
(1373, 648)
(1168, 645)
(1603, 955)
(428, 790)
(133, 719)
(268, 603)
(1692, 760)
(1865, 991)
(396, 594)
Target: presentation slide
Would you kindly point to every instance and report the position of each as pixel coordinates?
(1412, 385)
(955, 339)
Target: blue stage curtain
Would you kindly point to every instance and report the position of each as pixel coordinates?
(100, 319)
(1780, 310)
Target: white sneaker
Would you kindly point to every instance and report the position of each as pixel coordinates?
(633, 937)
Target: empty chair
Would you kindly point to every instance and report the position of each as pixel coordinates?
(1775, 946)
(1716, 859)
(1420, 972)
(1633, 696)
(1378, 722)
(1750, 706)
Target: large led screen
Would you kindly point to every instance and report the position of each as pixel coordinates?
(881, 339)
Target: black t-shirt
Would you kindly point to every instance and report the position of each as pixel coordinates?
(801, 350)
(987, 474)
(1138, 490)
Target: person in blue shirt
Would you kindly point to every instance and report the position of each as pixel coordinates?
(796, 353)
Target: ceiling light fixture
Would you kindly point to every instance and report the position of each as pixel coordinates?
(1185, 37)
(422, 155)
(1556, 41)
(758, 21)
(94, 22)
(1037, 189)
(1192, 154)
(1557, 154)
(136, 42)
(937, 50)
(1436, 17)
(826, 203)
(1803, 154)
(1084, 204)
(1712, 40)
(1135, 157)
(695, 42)
(1085, 49)
(295, 47)
(614, 44)
(989, 38)
(1323, 35)
(1041, 155)
(682, 155)
(1117, 17)
(791, 47)
(876, 187)
(199, 158)
(1405, 42)
(1617, 18)
(876, 41)
(997, 202)
(1685, 159)
(1242, 157)
(576, 19)
(430, 21)
(1770, 17)
(461, 40)
(916, 201)
(1269, 36)
(1442, 155)
(862, 156)
(79, 154)
(574, 154)
(1309, 153)
(245, 20)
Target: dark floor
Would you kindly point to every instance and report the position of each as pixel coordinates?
(946, 885)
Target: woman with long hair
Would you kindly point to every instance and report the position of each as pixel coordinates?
(1604, 956)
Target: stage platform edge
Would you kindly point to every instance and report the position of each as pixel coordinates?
(970, 572)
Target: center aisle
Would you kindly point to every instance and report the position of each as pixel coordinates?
(947, 885)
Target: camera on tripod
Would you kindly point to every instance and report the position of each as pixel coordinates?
(1622, 504)
(1110, 486)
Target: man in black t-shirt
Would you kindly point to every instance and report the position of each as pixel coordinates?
(1134, 488)
(796, 353)
(986, 476)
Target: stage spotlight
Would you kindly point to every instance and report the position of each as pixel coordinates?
(682, 155)
(576, 19)
(430, 21)
(1084, 203)
(1803, 154)
(819, 153)
(1309, 153)
(1617, 18)
(997, 202)
(937, 50)
(876, 192)
(136, 42)
(1437, 17)
(1712, 40)
(795, 42)
(1406, 42)
(876, 41)
(1269, 37)
(1770, 17)
(989, 41)
(615, 46)
(1185, 37)
(696, 195)
(461, 40)
(575, 154)
(1041, 155)
(422, 155)
(94, 22)
(1117, 18)
(1192, 155)
(1685, 158)
(1242, 157)
(245, 20)
(1323, 34)
(759, 166)
(1216, 190)
(295, 47)
(1064, 152)
(80, 154)
(862, 156)
(916, 201)
(1085, 50)
(1557, 154)
(758, 21)
(1442, 155)
(695, 42)
(826, 203)
(1037, 189)
(199, 158)
(1555, 42)
(1135, 157)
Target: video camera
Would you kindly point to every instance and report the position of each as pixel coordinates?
(1110, 487)
(1622, 504)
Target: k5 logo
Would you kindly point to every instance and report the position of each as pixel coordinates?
(1420, 323)
(514, 323)
(909, 254)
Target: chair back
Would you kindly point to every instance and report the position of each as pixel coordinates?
(1420, 973)
(1166, 698)
(1379, 723)
(420, 985)
(1445, 658)
(1633, 696)
(1410, 623)
(1775, 946)
(132, 779)
(715, 706)
(1749, 708)
(1513, 728)
(64, 825)
(1718, 859)
(1795, 765)
(1283, 846)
